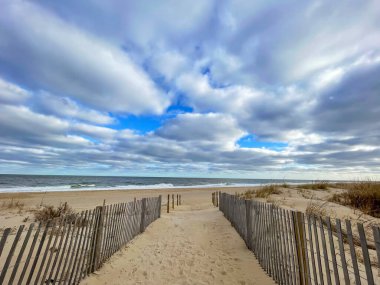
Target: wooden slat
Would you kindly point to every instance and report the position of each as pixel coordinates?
(21, 253)
(289, 277)
(78, 248)
(39, 249)
(41, 265)
(59, 250)
(26, 264)
(312, 250)
(366, 258)
(324, 247)
(332, 250)
(63, 252)
(353, 253)
(62, 276)
(306, 263)
(319, 262)
(376, 236)
(87, 254)
(291, 246)
(52, 250)
(10, 254)
(4, 239)
(342, 252)
(74, 251)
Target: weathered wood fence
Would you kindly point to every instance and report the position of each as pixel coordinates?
(295, 248)
(66, 250)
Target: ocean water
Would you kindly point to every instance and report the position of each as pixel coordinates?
(48, 183)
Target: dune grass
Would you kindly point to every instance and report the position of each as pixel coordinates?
(362, 195)
(317, 185)
(12, 204)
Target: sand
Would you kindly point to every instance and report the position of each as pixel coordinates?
(84, 200)
(194, 244)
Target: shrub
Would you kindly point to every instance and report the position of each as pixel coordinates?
(49, 212)
(363, 195)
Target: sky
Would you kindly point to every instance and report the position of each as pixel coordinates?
(212, 88)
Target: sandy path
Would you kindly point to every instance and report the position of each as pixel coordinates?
(192, 245)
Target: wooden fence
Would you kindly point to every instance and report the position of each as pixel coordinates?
(66, 250)
(295, 248)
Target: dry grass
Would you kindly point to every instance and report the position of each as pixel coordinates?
(317, 185)
(49, 212)
(264, 192)
(249, 194)
(268, 190)
(12, 205)
(316, 209)
(362, 195)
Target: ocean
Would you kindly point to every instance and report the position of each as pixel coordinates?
(50, 183)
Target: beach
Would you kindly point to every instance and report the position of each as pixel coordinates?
(83, 200)
(194, 243)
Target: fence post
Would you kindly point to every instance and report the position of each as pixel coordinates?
(180, 199)
(143, 210)
(159, 203)
(248, 215)
(177, 199)
(97, 243)
(300, 243)
(172, 201)
(168, 204)
(217, 199)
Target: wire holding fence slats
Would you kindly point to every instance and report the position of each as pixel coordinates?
(66, 250)
(294, 248)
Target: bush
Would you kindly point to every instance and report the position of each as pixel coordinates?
(49, 212)
(364, 195)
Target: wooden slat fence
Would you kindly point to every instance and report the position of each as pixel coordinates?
(294, 248)
(65, 250)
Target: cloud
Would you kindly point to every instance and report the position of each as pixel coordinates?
(67, 108)
(63, 60)
(299, 73)
(11, 93)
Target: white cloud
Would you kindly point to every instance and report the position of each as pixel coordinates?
(11, 93)
(62, 59)
(67, 108)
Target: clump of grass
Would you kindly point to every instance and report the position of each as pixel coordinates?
(316, 209)
(49, 212)
(267, 190)
(317, 185)
(362, 195)
(249, 194)
(285, 185)
(12, 205)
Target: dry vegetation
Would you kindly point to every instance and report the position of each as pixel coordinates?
(317, 209)
(263, 192)
(363, 195)
(49, 212)
(12, 205)
(317, 185)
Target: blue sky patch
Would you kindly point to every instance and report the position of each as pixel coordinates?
(250, 141)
